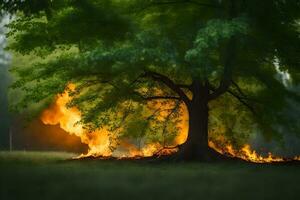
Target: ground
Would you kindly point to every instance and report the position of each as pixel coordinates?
(29, 175)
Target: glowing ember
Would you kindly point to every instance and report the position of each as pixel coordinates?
(99, 141)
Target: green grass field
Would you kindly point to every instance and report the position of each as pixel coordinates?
(43, 176)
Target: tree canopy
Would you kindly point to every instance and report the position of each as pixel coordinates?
(126, 57)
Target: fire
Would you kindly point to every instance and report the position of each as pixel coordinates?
(99, 142)
(246, 153)
(251, 155)
(67, 118)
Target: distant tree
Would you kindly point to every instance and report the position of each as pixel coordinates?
(3, 55)
(208, 55)
(4, 60)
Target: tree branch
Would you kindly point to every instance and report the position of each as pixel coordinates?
(169, 83)
(184, 86)
(161, 97)
(176, 107)
(238, 88)
(150, 98)
(228, 69)
(242, 101)
(244, 96)
(230, 56)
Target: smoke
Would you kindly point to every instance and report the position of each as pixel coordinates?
(35, 136)
(24, 136)
(289, 145)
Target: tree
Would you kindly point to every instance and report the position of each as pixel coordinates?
(123, 55)
(4, 60)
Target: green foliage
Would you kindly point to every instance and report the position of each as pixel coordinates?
(203, 55)
(106, 47)
(236, 124)
(72, 23)
(25, 6)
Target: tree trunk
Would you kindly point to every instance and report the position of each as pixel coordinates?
(196, 146)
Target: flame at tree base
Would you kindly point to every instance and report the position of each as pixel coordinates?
(246, 153)
(99, 141)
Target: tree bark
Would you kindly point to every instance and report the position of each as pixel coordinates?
(196, 146)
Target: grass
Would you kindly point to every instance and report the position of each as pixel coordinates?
(50, 175)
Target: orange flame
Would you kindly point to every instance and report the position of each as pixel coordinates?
(246, 153)
(99, 141)
(68, 118)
